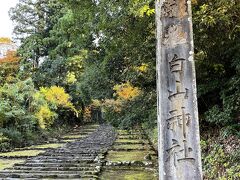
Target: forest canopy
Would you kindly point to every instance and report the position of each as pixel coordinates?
(78, 58)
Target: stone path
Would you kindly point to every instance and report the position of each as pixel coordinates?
(130, 158)
(89, 152)
(80, 159)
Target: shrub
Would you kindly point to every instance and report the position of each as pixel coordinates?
(45, 116)
(218, 164)
(4, 142)
(57, 97)
(15, 137)
(15, 103)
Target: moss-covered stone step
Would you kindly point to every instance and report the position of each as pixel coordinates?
(53, 168)
(125, 174)
(134, 164)
(129, 147)
(131, 138)
(60, 164)
(86, 177)
(80, 132)
(131, 132)
(41, 147)
(71, 148)
(84, 130)
(64, 157)
(80, 159)
(92, 150)
(14, 171)
(21, 154)
(89, 126)
(116, 156)
(66, 160)
(77, 136)
(68, 154)
(6, 163)
(67, 140)
(129, 141)
(61, 161)
(74, 151)
(42, 175)
(61, 179)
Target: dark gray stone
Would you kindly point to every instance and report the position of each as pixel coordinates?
(75, 160)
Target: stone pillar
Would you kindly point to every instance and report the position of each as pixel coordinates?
(178, 126)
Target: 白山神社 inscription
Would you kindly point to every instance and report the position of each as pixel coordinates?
(179, 142)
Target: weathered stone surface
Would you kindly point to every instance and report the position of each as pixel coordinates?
(85, 158)
(128, 157)
(179, 149)
(81, 159)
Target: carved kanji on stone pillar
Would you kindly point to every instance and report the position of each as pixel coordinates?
(179, 142)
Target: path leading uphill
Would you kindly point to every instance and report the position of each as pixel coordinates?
(79, 159)
(90, 152)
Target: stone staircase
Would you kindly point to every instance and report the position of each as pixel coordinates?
(130, 157)
(81, 158)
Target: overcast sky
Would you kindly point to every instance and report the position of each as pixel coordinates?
(6, 24)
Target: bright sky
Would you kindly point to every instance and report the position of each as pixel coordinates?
(6, 24)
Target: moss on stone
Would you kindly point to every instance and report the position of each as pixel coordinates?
(140, 176)
(129, 141)
(130, 132)
(93, 126)
(88, 130)
(128, 175)
(129, 146)
(129, 136)
(5, 163)
(122, 131)
(46, 146)
(69, 140)
(116, 156)
(25, 153)
(73, 136)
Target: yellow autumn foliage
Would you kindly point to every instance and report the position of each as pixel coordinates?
(141, 8)
(146, 10)
(56, 95)
(87, 114)
(116, 105)
(5, 40)
(71, 78)
(96, 103)
(45, 116)
(126, 91)
(123, 92)
(50, 99)
(143, 68)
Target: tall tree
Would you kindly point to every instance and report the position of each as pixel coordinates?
(33, 22)
(120, 39)
(217, 42)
